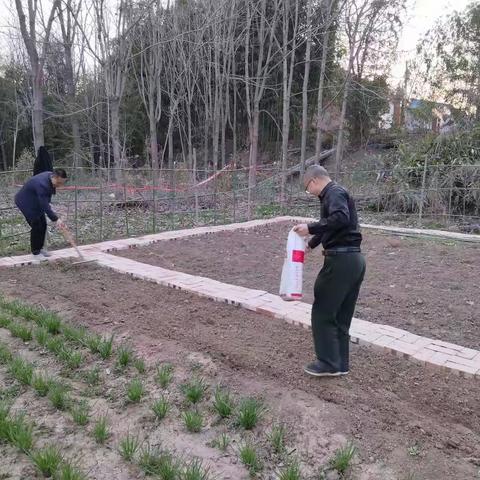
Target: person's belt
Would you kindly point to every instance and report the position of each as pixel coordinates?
(340, 250)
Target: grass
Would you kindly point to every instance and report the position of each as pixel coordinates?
(160, 408)
(47, 460)
(164, 375)
(5, 320)
(135, 390)
(92, 376)
(128, 447)
(18, 432)
(105, 348)
(161, 464)
(51, 323)
(101, 430)
(20, 331)
(222, 442)
(81, 413)
(41, 336)
(195, 470)
(55, 345)
(139, 364)
(93, 342)
(342, 459)
(223, 403)
(21, 370)
(58, 396)
(75, 335)
(249, 457)
(250, 411)
(193, 421)
(124, 356)
(277, 438)
(41, 383)
(290, 472)
(194, 390)
(5, 354)
(67, 471)
(71, 358)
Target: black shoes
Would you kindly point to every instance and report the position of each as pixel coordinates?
(320, 369)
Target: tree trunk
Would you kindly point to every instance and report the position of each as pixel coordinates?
(306, 76)
(37, 110)
(115, 136)
(339, 147)
(153, 134)
(253, 158)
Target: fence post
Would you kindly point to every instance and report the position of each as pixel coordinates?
(76, 202)
(422, 195)
(154, 199)
(125, 204)
(195, 190)
(101, 202)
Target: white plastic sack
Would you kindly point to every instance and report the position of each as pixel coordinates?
(292, 273)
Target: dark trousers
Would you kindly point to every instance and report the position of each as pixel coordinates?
(37, 234)
(336, 292)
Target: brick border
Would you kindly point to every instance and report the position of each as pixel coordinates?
(429, 352)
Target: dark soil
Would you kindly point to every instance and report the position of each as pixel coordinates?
(386, 405)
(429, 287)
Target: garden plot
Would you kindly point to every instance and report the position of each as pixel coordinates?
(405, 421)
(428, 287)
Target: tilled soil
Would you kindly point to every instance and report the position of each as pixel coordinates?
(428, 287)
(386, 404)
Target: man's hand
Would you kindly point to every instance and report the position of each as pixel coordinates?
(301, 229)
(59, 224)
(308, 249)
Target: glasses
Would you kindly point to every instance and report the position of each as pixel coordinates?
(308, 184)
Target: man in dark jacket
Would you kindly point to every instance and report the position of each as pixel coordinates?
(33, 200)
(338, 283)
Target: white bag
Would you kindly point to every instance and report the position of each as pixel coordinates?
(292, 272)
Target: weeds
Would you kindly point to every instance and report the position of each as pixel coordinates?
(128, 447)
(18, 432)
(67, 471)
(20, 331)
(250, 412)
(21, 370)
(75, 335)
(5, 354)
(41, 383)
(47, 460)
(124, 356)
(100, 430)
(41, 336)
(164, 375)
(277, 438)
(160, 464)
(249, 457)
(93, 342)
(343, 457)
(223, 403)
(92, 377)
(414, 450)
(195, 470)
(222, 442)
(81, 413)
(135, 390)
(193, 421)
(139, 364)
(71, 358)
(194, 390)
(105, 348)
(4, 320)
(55, 345)
(58, 396)
(291, 471)
(51, 323)
(161, 407)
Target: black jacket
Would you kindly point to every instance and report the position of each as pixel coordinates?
(33, 199)
(43, 162)
(338, 226)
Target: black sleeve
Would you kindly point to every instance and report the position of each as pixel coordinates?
(338, 217)
(44, 200)
(315, 241)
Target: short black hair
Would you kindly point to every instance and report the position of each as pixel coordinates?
(60, 172)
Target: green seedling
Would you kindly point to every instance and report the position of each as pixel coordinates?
(195, 470)
(277, 438)
(139, 364)
(128, 447)
(41, 336)
(160, 408)
(342, 459)
(101, 430)
(124, 356)
(249, 457)
(250, 412)
(164, 375)
(194, 390)
(193, 421)
(47, 460)
(135, 390)
(20, 331)
(223, 403)
(21, 370)
(81, 413)
(41, 383)
(105, 348)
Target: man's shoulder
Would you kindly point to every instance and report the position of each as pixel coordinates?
(337, 189)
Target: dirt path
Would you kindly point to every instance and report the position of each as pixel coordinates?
(386, 405)
(424, 286)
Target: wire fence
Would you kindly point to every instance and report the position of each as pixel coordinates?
(137, 201)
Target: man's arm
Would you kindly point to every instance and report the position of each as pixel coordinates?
(315, 241)
(339, 215)
(44, 201)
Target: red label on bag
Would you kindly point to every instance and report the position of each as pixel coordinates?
(298, 256)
